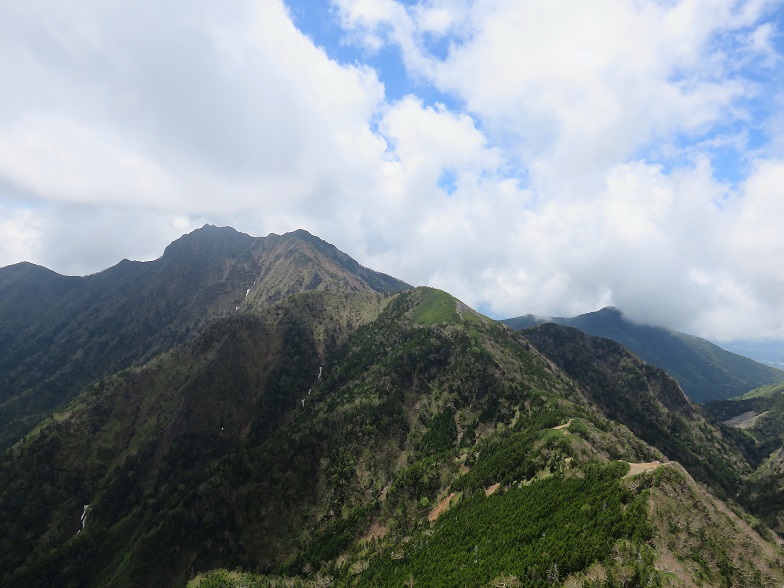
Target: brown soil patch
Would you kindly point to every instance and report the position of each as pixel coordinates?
(638, 468)
(490, 489)
(376, 531)
(441, 508)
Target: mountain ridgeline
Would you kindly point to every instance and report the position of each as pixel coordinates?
(60, 333)
(324, 425)
(705, 371)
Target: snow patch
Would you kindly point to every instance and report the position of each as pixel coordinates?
(84, 517)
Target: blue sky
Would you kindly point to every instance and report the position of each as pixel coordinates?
(527, 156)
(321, 22)
(729, 144)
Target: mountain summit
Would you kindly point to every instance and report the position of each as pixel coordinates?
(59, 333)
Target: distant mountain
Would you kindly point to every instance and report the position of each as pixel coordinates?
(705, 371)
(769, 352)
(60, 333)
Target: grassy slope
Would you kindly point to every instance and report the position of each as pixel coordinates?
(769, 391)
(437, 306)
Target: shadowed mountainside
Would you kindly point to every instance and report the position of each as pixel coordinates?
(762, 412)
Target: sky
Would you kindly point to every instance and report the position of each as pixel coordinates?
(527, 156)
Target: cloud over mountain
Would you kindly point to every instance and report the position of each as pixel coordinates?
(539, 160)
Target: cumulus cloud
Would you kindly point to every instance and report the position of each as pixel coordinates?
(187, 109)
(614, 111)
(580, 85)
(572, 163)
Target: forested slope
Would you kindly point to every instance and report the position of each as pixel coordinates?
(59, 333)
(760, 416)
(362, 439)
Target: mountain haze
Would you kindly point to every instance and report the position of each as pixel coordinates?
(705, 371)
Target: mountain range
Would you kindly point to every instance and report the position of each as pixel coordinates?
(271, 407)
(60, 333)
(704, 370)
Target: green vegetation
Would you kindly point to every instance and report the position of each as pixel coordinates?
(695, 525)
(650, 404)
(436, 306)
(441, 433)
(762, 492)
(539, 533)
(235, 579)
(769, 391)
(60, 334)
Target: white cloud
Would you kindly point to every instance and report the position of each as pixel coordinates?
(20, 230)
(758, 214)
(60, 159)
(193, 97)
(580, 85)
(586, 97)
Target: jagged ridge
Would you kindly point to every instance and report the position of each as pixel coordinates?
(58, 333)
